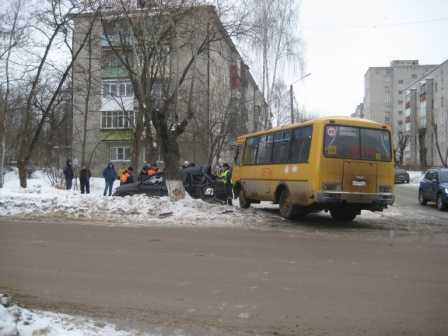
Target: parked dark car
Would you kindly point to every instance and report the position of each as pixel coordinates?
(198, 182)
(401, 176)
(434, 188)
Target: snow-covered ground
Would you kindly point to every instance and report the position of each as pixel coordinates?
(40, 198)
(17, 321)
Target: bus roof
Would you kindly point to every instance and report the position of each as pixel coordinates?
(321, 120)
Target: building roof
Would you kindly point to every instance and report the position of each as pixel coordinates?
(425, 75)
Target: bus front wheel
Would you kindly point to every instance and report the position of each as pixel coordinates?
(244, 201)
(344, 214)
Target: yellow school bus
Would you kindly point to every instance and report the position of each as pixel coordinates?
(337, 164)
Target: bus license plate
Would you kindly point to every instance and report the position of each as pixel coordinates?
(359, 183)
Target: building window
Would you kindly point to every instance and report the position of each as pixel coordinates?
(117, 88)
(400, 112)
(400, 102)
(400, 81)
(422, 115)
(117, 119)
(387, 119)
(400, 92)
(120, 153)
(414, 76)
(387, 95)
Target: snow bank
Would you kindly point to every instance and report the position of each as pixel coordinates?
(40, 199)
(15, 321)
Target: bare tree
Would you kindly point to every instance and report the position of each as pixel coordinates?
(14, 31)
(52, 24)
(280, 106)
(275, 34)
(403, 140)
(443, 156)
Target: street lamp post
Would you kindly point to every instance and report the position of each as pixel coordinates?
(291, 95)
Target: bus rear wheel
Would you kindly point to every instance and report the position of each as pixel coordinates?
(288, 210)
(344, 214)
(244, 201)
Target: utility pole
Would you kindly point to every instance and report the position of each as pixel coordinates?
(291, 97)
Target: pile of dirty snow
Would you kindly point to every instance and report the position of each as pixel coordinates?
(17, 321)
(42, 199)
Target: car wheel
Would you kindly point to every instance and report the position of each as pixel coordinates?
(440, 204)
(421, 199)
(244, 201)
(344, 214)
(288, 210)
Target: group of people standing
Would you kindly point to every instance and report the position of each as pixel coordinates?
(85, 174)
(125, 175)
(84, 177)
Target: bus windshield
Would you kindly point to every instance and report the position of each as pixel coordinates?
(346, 142)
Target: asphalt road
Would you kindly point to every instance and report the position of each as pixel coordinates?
(378, 276)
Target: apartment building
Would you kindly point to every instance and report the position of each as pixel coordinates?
(426, 118)
(384, 91)
(224, 91)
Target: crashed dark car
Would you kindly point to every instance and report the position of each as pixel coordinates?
(401, 176)
(198, 183)
(151, 186)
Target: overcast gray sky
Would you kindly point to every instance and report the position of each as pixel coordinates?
(343, 38)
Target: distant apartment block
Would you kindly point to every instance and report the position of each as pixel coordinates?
(384, 91)
(425, 112)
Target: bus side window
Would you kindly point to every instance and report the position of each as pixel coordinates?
(280, 151)
(300, 144)
(264, 154)
(250, 151)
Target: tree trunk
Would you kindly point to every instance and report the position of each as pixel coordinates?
(150, 151)
(22, 172)
(170, 150)
(137, 140)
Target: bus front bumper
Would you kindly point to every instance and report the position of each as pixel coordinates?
(335, 197)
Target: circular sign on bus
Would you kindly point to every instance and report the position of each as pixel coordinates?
(331, 131)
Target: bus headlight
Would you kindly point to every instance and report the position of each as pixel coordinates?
(331, 186)
(446, 191)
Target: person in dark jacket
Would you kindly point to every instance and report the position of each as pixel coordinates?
(68, 174)
(84, 180)
(109, 175)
